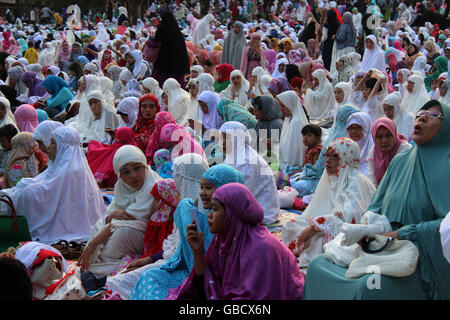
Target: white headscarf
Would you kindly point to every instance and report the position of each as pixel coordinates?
(9, 116)
(257, 174)
(373, 58)
(404, 120)
(130, 106)
(211, 120)
(241, 96)
(347, 89)
(43, 131)
(96, 128)
(198, 69)
(412, 102)
(419, 65)
(265, 82)
(179, 100)
(320, 101)
(205, 82)
(362, 119)
(292, 149)
(153, 85)
(202, 29)
(66, 187)
(276, 73)
(106, 85)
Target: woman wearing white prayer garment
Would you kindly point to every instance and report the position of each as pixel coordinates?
(402, 77)
(8, 116)
(356, 61)
(280, 68)
(373, 56)
(342, 92)
(86, 85)
(319, 98)
(179, 102)
(205, 82)
(43, 133)
(255, 81)
(128, 109)
(202, 29)
(258, 175)
(342, 195)
(374, 88)
(416, 94)
(66, 191)
(404, 120)
(196, 71)
(103, 117)
(237, 90)
(359, 130)
(122, 231)
(292, 149)
(420, 65)
(150, 85)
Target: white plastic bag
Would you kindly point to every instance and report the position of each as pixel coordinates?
(287, 197)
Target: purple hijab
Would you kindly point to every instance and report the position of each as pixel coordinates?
(246, 261)
(271, 56)
(279, 85)
(33, 83)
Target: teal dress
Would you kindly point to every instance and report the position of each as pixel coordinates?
(411, 194)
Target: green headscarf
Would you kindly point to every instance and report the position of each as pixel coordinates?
(231, 111)
(413, 193)
(441, 64)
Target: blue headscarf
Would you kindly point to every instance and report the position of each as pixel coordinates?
(223, 174)
(42, 115)
(338, 130)
(83, 60)
(54, 84)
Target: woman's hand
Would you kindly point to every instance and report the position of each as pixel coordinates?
(119, 215)
(304, 237)
(86, 257)
(393, 234)
(138, 264)
(195, 239)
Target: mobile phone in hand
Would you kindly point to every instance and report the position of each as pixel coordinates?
(195, 218)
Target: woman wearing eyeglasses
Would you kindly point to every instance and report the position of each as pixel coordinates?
(413, 196)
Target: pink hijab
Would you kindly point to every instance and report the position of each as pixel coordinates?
(398, 46)
(381, 160)
(271, 56)
(5, 41)
(186, 143)
(246, 261)
(26, 118)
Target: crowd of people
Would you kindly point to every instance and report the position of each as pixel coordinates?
(247, 150)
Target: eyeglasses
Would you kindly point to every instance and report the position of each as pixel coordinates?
(432, 114)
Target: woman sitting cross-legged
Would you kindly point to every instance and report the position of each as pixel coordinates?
(342, 195)
(231, 267)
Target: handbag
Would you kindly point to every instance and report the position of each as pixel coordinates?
(13, 229)
(151, 50)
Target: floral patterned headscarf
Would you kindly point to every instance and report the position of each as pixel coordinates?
(165, 191)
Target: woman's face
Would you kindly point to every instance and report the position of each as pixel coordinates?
(410, 86)
(52, 150)
(106, 55)
(384, 139)
(65, 46)
(133, 174)
(426, 127)
(355, 132)
(281, 67)
(96, 108)
(236, 81)
(194, 74)
(284, 110)
(442, 89)
(359, 78)
(340, 64)
(389, 111)
(130, 59)
(287, 45)
(165, 98)
(124, 118)
(75, 49)
(82, 85)
(366, 92)
(236, 29)
(331, 162)
(338, 95)
(369, 44)
(400, 77)
(207, 190)
(203, 107)
(258, 114)
(2, 111)
(5, 142)
(216, 217)
(193, 89)
(411, 50)
(148, 109)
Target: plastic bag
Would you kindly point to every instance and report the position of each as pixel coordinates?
(287, 197)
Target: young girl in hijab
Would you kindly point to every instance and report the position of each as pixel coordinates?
(342, 195)
(223, 72)
(145, 123)
(358, 129)
(342, 92)
(229, 221)
(176, 138)
(373, 56)
(208, 101)
(21, 163)
(387, 144)
(280, 68)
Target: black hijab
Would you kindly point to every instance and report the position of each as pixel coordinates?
(292, 71)
(173, 57)
(332, 23)
(10, 94)
(3, 72)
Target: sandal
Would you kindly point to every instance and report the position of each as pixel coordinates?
(62, 246)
